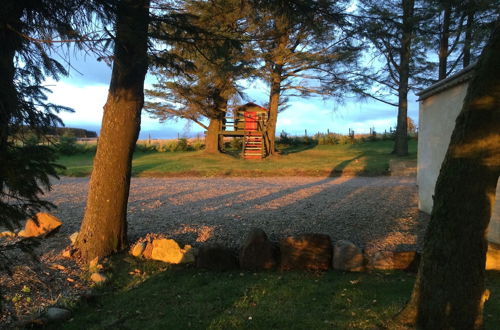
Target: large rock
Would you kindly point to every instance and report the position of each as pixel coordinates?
(216, 257)
(148, 251)
(257, 252)
(138, 249)
(167, 250)
(98, 278)
(347, 256)
(56, 314)
(493, 257)
(307, 251)
(73, 237)
(44, 224)
(390, 260)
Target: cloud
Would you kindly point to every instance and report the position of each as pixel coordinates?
(85, 69)
(88, 102)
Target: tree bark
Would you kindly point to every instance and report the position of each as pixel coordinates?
(274, 99)
(468, 36)
(401, 141)
(449, 292)
(10, 18)
(104, 226)
(212, 140)
(444, 41)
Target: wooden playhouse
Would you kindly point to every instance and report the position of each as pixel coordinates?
(249, 121)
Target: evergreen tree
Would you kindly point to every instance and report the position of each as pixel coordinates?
(458, 31)
(397, 54)
(29, 32)
(298, 41)
(211, 60)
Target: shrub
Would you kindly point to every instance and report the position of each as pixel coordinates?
(144, 147)
(67, 145)
(197, 144)
(180, 145)
(31, 140)
(236, 143)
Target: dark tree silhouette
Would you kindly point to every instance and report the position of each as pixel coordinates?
(449, 291)
(29, 32)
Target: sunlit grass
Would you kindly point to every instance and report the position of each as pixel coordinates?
(369, 158)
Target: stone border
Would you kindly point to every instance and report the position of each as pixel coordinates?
(309, 251)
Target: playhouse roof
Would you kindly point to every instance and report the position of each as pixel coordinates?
(252, 107)
(458, 78)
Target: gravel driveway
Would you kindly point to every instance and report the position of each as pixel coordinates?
(377, 213)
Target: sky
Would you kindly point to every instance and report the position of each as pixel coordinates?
(85, 90)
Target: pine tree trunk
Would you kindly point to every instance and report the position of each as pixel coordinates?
(9, 42)
(104, 226)
(468, 37)
(212, 140)
(444, 41)
(274, 99)
(401, 142)
(449, 293)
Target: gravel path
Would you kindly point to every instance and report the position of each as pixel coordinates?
(377, 213)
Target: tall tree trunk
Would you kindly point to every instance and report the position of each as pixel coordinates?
(104, 226)
(468, 35)
(444, 40)
(212, 138)
(214, 142)
(401, 142)
(449, 292)
(10, 19)
(274, 100)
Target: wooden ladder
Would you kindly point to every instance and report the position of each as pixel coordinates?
(253, 146)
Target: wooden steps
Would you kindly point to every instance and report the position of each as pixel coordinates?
(253, 146)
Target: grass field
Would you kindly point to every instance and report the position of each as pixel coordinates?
(369, 158)
(158, 296)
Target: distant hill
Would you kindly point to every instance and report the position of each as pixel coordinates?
(70, 131)
(76, 132)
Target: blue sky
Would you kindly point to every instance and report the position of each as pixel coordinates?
(85, 90)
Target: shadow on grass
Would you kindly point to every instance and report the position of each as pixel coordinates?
(292, 149)
(158, 296)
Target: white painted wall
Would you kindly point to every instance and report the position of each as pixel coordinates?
(437, 115)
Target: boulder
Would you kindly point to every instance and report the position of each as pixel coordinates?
(347, 256)
(73, 237)
(216, 257)
(138, 249)
(493, 257)
(390, 260)
(167, 250)
(98, 278)
(307, 251)
(148, 250)
(257, 252)
(7, 234)
(56, 314)
(44, 224)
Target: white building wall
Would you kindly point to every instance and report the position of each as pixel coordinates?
(437, 115)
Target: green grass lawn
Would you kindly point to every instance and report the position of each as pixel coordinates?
(369, 158)
(158, 296)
